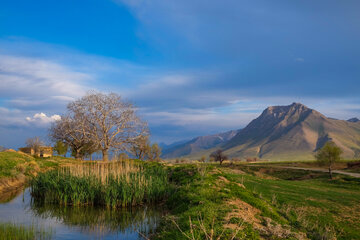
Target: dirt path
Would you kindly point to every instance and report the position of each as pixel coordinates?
(356, 175)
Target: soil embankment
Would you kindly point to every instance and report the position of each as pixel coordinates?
(9, 186)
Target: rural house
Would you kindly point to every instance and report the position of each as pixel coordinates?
(43, 151)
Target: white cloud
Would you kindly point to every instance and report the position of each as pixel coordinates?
(41, 119)
(29, 76)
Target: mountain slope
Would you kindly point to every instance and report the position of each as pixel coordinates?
(198, 144)
(293, 132)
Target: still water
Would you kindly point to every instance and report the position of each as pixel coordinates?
(81, 222)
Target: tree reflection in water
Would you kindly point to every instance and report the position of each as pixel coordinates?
(99, 221)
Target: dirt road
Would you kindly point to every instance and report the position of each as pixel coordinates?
(356, 175)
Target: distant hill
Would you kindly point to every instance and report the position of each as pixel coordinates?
(165, 146)
(292, 132)
(353, 120)
(198, 144)
(2, 149)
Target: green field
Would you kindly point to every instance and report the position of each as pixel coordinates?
(261, 202)
(14, 163)
(206, 200)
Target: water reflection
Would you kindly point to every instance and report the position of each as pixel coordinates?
(82, 222)
(101, 220)
(9, 195)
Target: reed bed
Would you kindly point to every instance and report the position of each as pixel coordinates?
(113, 184)
(12, 231)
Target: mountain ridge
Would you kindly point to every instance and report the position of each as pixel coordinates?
(286, 132)
(198, 144)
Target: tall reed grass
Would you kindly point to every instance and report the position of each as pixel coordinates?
(113, 184)
(12, 231)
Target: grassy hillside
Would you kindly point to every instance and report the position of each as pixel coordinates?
(13, 163)
(247, 202)
(17, 168)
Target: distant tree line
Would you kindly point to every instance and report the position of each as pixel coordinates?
(102, 122)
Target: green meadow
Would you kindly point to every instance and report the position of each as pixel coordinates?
(242, 202)
(198, 200)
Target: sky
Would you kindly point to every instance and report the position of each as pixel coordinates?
(191, 67)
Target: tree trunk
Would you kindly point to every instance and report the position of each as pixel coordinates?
(105, 154)
(90, 157)
(330, 172)
(77, 155)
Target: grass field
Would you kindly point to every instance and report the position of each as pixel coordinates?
(14, 163)
(207, 201)
(260, 202)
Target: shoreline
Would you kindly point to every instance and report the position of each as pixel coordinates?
(11, 186)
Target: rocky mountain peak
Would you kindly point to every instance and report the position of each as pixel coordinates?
(280, 112)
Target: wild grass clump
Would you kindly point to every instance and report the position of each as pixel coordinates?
(13, 231)
(113, 184)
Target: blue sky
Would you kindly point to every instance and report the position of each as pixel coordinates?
(192, 67)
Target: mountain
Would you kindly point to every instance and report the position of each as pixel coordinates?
(165, 146)
(353, 120)
(198, 144)
(293, 132)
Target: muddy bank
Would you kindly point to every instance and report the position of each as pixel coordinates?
(11, 186)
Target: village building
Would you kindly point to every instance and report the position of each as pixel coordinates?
(43, 151)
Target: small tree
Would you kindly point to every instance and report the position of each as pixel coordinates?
(328, 155)
(34, 143)
(202, 159)
(141, 148)
(61, 148)
(154, 153)
(218, 156)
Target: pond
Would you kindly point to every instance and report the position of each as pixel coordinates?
(81, 222)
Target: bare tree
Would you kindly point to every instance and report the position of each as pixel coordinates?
(141, 147)
(218, 156)
(34, 143)
(109, 122)
(70, 130)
